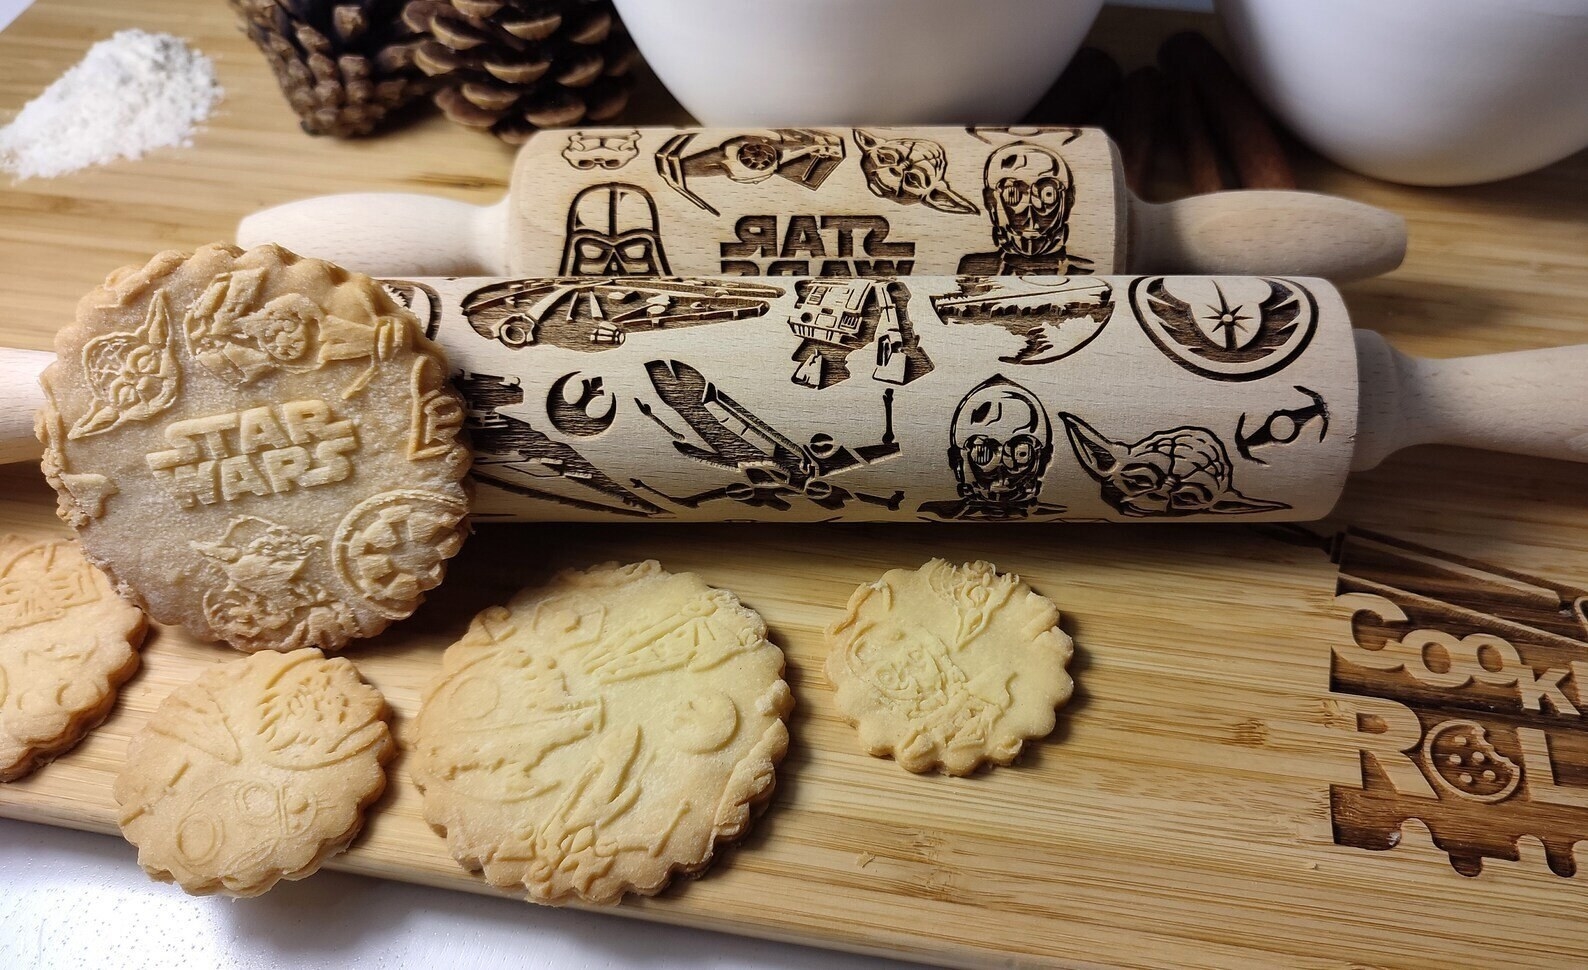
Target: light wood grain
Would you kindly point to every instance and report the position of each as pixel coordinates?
(1179, 815)
(844, 201)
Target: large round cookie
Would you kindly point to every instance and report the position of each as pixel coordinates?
(257, 771)
(602, 732)
(67, 642)
(945, 667)
(261, 448)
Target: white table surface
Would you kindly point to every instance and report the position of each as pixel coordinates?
(76, 900)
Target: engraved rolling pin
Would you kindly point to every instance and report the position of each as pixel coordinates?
(845, 201)
(938, 399)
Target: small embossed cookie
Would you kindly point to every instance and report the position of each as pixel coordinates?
(602, 732)
(257, 771)
(66, 644)
(946, 667)
(261, 448)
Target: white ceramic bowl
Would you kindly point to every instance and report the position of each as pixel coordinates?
(845, 62)
(1430, 92)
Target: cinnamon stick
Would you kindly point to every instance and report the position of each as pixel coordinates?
(1204, 169)
(1133, 119)
(1241, 125)
(1081, 92)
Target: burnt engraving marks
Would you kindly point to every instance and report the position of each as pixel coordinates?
(1182, 471)
(594, 315)
(804, 156)
(909, 171)
(772, 468)
(1054, 317)
(1000, 446)
(1229, 329)
(1461, 684)
(836, 318)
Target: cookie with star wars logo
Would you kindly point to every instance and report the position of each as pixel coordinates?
(947, 667)
(258, 771)
(261, 448)
(67, 643)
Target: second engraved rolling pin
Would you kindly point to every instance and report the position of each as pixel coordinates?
(833, 202)
(941, 399)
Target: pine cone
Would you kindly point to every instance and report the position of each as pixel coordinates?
(343, 64)
(512, 66)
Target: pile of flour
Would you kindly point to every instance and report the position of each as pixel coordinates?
(134, 92)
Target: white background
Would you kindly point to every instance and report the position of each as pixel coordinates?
(74, 900)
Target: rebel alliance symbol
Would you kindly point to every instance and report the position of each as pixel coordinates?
(803, 156)
(1284, 426)
(577, 411)
(909, 171)
(613, 230)
(1226, 329)
(1183, 471)
(132, 376)
(586, 151)
(1000, 445)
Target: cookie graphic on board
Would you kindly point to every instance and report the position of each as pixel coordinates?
(67, 643)
(602, 732)
(257, 771)
(261, 448)
(946, 667)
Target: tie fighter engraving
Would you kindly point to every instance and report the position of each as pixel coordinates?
(804, 156)
(772, 468)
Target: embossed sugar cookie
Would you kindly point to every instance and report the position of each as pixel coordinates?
(261, 448)
(602, 732)
(257, 771)
(67, 642)
(947, 666)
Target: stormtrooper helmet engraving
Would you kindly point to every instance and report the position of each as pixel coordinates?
(1029, 191)
(1000, 445)
(613, 231)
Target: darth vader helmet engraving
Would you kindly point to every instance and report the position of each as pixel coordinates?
(1000, 445)
(1029, 191)
(613, 231)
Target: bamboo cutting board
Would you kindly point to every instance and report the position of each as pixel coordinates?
(1206, 799)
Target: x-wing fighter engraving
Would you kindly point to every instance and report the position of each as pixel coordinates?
(772, 468)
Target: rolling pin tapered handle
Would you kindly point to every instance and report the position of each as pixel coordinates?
(388, 233)
(1266, 233)
(1528, 402)
(20, 398)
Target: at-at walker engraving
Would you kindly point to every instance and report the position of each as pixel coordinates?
(773, 469)
(836, 317)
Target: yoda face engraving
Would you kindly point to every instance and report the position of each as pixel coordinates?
(1183, 471)
(909, 171)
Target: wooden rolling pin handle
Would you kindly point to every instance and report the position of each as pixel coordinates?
(20, 399)
(388, 233)
(1529, 402)
(1266, 233)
